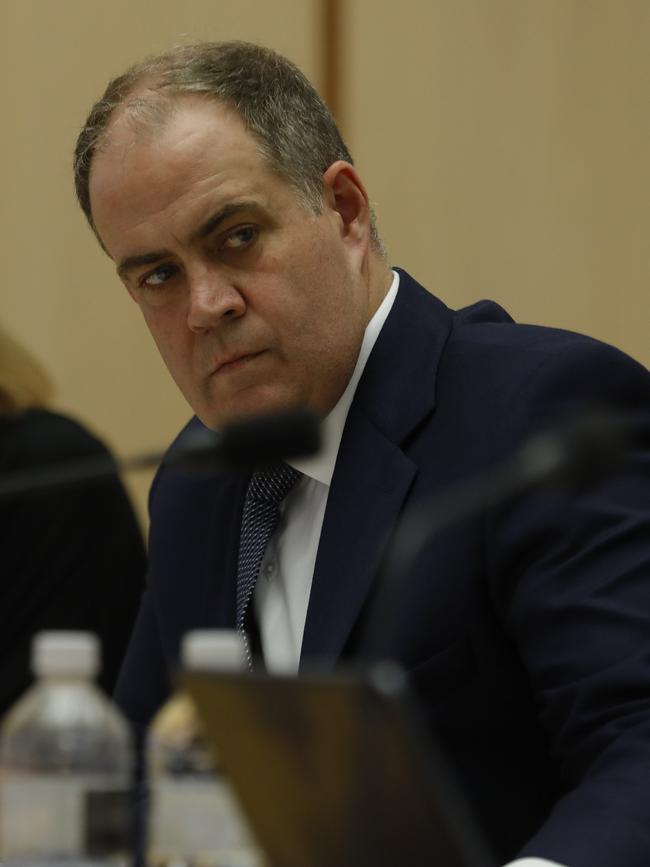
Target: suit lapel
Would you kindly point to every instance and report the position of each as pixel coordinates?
(373, 475)
(368, 489)
(220, 581)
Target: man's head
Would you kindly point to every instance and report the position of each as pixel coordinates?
(216, 179)
(295, 132)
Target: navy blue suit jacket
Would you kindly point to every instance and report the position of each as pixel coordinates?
(526, 629)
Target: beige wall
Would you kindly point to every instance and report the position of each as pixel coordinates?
(504, 143)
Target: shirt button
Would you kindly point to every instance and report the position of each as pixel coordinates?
(269, 569)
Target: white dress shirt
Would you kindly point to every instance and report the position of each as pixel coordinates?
(282, 590)
(533, 862)
(284, 584)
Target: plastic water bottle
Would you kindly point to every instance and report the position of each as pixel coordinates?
(194, 817)
(65, 763)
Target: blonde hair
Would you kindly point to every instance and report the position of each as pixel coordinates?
(24, 384)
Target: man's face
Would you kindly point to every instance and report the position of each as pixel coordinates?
(255, 303)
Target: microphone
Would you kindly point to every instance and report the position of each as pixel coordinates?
(574, 454)
(252, 442)
(241, 446)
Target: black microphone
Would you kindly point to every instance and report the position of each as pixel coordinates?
(252, 442)
(575, 453)
(241, 446)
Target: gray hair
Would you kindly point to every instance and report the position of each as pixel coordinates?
(295, 132)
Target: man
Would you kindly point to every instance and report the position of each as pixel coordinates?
(217, 182)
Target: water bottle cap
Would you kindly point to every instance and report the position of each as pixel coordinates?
(72, 654)
(213, 650)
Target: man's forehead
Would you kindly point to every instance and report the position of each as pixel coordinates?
(200, 150)
(148, 115)
(147, 191)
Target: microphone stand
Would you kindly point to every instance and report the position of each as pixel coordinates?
(240, 446)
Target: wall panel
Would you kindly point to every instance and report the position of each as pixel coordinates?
(506, 144)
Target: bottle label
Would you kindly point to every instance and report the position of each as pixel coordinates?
(107, 820)
(60, 817)
(195, 818)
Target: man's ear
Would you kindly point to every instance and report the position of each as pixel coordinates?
(345, 195)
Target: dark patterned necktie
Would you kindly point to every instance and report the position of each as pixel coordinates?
(266, 490)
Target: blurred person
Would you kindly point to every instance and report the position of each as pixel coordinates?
(216, 179)
(72, 557)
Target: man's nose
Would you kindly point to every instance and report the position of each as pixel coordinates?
(213, 297)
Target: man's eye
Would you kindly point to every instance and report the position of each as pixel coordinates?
(158, 277)
(240, 237)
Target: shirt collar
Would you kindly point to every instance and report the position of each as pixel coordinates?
(321, 466)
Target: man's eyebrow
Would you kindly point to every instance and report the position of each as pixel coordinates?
(216, 219)
(203, 231)
(143, 259)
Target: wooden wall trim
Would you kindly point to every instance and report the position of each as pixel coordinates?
(330, 49)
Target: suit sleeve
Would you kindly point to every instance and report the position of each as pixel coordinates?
(571, 580)
(143, 684)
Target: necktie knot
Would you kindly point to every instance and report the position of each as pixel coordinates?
(272, 484)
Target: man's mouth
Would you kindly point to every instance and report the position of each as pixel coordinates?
(235, 362)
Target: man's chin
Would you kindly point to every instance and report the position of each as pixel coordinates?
(244, 410)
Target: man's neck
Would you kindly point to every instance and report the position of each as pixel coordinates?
(380, 278)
